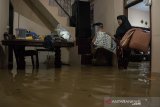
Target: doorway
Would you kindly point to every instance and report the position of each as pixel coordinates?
(139, 15)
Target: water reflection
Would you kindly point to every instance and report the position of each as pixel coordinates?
(13, 81)
(84, 86)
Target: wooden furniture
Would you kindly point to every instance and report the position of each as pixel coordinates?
(20, 44)
(33, 53)
(81, 14)
(102, 57)
(82, 22)
(30, 53)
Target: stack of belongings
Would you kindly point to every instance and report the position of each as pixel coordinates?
(103, 40)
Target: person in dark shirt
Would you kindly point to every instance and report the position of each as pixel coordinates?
(122, 54)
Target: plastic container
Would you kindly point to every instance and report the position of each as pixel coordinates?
(21, 33)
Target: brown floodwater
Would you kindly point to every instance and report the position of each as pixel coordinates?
(75, 86)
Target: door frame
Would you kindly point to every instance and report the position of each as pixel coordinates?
(125, 10)
(11, 17)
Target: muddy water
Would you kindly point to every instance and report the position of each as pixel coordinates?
(84, 86)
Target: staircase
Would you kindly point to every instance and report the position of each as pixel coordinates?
(49, 12)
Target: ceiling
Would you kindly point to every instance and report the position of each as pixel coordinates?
(141, 6)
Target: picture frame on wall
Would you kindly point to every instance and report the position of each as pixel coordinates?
(129, 3)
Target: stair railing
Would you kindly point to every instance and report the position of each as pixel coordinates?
(65, 7)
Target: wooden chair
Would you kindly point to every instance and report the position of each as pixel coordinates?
(33, 53)
(30, 53)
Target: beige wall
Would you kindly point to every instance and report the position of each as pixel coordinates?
(155, 36)
(135, 16)
(23, 22)
(106, 11)
(118, 10)
(28, 18)
(4, 13)
(22, 8)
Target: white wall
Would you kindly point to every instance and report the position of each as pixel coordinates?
(4, 13)
(135, 16)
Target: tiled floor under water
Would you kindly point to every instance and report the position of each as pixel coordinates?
(71, 86)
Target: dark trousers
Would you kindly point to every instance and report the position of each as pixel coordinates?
(123, 56)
